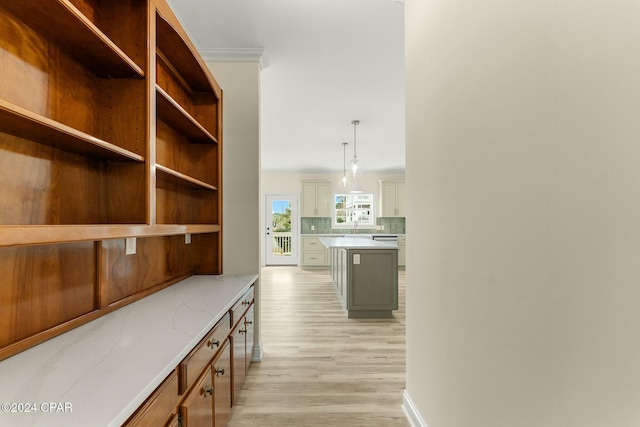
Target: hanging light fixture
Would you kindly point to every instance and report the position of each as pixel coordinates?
(355, 173)
(344, 179)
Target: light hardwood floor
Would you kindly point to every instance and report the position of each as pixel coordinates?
(320, 368)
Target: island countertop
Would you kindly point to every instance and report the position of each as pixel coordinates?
(356, 243)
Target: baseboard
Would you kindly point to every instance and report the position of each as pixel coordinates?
(411, 411)
(257, 353)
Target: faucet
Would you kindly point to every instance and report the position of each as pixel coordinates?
(355, 227)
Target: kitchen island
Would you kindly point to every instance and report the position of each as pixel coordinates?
(365, 274)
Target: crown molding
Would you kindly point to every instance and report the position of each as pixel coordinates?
(257, 54)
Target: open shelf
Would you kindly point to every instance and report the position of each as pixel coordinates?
(165, 173)
(63, 23)
(28, 235)
(20, 122)
(172, 113)
(178, 52)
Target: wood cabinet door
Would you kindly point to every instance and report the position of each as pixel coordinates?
(323, 200)
(400, 197)
(248, 321)
(197, 407)
(308, 200)
(222, 374)
(388, 206)
(239, 346)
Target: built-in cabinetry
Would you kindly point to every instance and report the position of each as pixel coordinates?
(365, 275)
(313, 252)
(316, 198)
(402, 251)
(110, 128)
(392, 197)
(209, 379)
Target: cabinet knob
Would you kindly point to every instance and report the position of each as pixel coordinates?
(248, 322)
(219, 372)
(243, 331)
(207, 390)
(213, 344)
(245, 302)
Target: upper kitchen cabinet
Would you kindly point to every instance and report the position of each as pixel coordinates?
(392, 195)
(316, 198)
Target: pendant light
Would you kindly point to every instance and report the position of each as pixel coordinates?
(355, 173)
(344, 179)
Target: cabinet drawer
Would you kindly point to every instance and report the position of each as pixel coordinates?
(240, 307)
(201, 356)
(313, 258)
(159, 406)
(311, 243)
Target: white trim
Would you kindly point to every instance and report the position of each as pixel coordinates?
(411, 411)
(257, 54)
(257, 353)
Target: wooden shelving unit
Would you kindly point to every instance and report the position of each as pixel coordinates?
(172, 113)
(62, 23)
(26, 124)
(110, 128)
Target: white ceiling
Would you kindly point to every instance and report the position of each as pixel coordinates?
(326, 63)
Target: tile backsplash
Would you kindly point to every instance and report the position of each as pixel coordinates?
(392, 225)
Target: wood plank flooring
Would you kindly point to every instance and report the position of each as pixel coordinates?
(320, 368)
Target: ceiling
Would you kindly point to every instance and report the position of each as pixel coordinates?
(324, 64)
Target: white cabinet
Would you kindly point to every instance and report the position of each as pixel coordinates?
(316, 199)
(392, 194)
(314, 253)
(402, 251)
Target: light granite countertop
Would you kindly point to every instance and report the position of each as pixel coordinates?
(99, 373)
(356, 243)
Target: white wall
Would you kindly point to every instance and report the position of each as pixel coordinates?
(523, 271)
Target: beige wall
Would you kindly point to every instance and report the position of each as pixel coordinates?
(240, 82)
(523, 277)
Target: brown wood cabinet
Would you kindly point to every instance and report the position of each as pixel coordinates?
(222, 378)
(109, 129)
(207, 382)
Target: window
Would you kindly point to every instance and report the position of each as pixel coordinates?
(350, 209)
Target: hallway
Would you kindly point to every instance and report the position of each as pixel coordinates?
(320, 368)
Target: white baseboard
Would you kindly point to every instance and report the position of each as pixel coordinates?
(411, 411)
(257, 353)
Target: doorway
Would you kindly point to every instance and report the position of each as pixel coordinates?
(281, 234)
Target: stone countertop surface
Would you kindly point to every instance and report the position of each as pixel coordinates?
(99, 373)
(350, 234)
(356, 243)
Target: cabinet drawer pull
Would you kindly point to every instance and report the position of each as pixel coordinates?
(207, 390)
(243, 331)
(219, 372)
(215, 343)
(245, 302)
(248, 322)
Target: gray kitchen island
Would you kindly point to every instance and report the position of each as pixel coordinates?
(365, 274)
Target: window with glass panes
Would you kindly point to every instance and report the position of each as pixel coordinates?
(350, 209)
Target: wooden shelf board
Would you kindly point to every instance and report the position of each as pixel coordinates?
(178, 51)
(23, 123)
(172, 113)
(182, 179)
(63, 23)
(27, 235)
